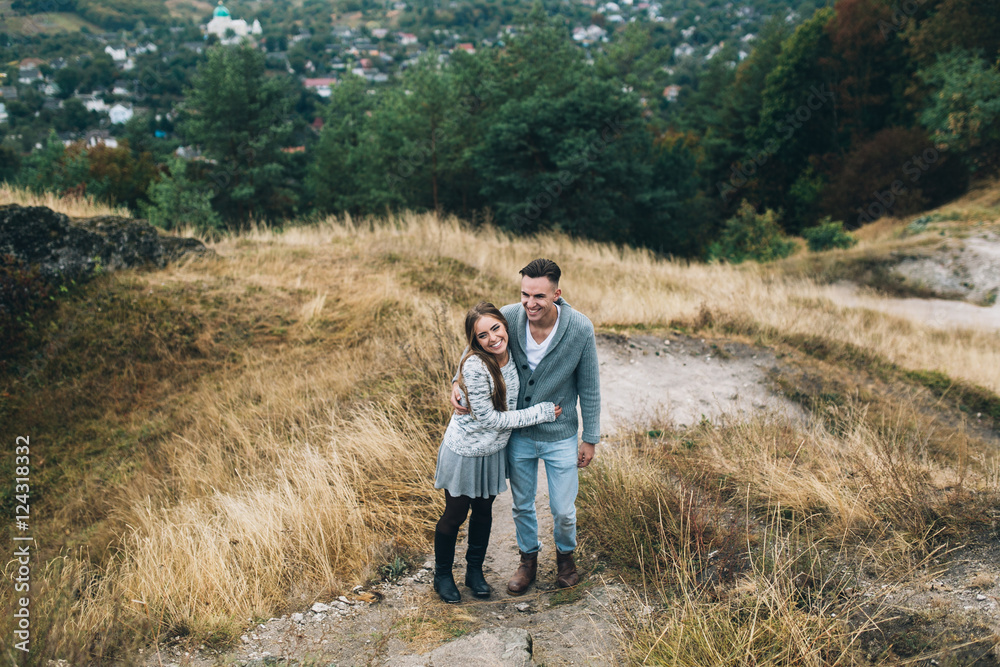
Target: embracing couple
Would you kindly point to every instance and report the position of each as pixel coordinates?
(515, 397)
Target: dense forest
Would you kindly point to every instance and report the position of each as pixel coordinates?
(863, 109)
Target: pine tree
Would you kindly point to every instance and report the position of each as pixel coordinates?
(240, 119)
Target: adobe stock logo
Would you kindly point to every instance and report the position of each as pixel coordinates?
(901, 13)
(742, 171)
(884, 201)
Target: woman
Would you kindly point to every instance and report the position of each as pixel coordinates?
(472, 463)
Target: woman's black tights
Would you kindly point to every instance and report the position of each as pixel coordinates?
(456, 509)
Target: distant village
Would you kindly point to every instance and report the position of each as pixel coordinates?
(373, 53)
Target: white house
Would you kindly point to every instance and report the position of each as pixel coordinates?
(590, 34)
(28, 71)
(3, 112)
(323, 86)
(99, 137)
(120, 113)
(93, 103)
(118, 55)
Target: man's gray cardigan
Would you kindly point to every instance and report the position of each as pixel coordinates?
(568, 369)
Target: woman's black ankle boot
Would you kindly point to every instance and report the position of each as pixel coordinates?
(444, 559)
(479, 539)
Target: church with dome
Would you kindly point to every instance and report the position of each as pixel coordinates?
(228, 29)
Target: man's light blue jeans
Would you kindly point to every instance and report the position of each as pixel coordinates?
(560, 459)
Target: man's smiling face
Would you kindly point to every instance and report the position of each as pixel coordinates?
(538, 297)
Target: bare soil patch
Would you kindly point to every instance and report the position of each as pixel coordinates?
(683, 379)
(937, 313)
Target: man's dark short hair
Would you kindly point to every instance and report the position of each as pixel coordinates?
(542, 267)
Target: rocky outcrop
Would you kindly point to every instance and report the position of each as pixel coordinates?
(967, 269)
(72, 248)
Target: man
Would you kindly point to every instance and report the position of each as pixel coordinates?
(556, 356)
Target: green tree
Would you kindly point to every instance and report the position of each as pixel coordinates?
(870, 71)
(98, 72)
(751, 236)
(633, 61)
(179, 198)
(10, 163)
(74, 117)
(117, 175)
(563, 148)
(418, 127)
(343, 175)
(963, 114)
(828, 234)
(68, 79)
(942, 25)
(727, 118)
(53, 168)
(797, 117)
(240, 118)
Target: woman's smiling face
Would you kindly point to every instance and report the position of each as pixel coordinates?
(492, 335)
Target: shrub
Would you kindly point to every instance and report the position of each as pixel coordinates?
(749, 235)
(828, 234)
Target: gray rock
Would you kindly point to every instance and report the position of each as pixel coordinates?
(495, 647)
(69, 248)
(266, 661)
(319, 608)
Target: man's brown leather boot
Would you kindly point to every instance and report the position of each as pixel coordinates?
(566, 575)
(525, 574)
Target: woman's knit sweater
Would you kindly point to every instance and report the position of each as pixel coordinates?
(485, 430)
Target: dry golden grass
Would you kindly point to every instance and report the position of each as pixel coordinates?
(288, 479)
(983, 580)
(747, 538)
(980, 203)
(883, 229)
(75, 207)
(300, 462)
(430, 625)
(768, 617)
(629, 287)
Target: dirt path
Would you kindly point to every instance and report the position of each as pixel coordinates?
(937, 313)
(680, 379)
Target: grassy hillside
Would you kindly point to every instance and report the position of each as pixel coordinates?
(236, 436)
(889, 241)
(48, 23)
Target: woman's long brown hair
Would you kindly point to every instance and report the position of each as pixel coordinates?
(484, 308)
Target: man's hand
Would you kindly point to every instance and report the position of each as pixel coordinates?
(456, 396)
(587, 452)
